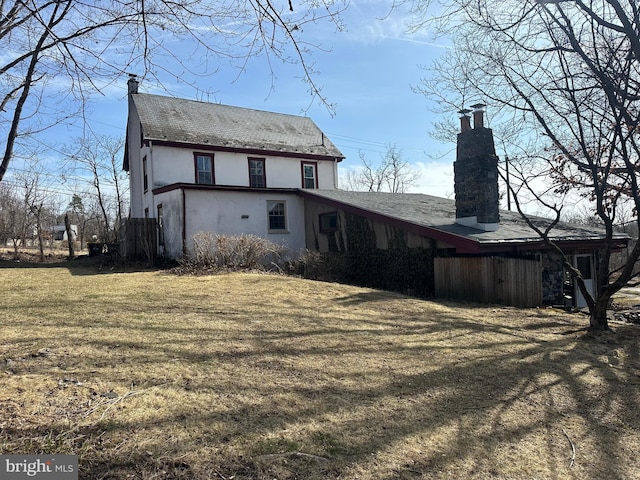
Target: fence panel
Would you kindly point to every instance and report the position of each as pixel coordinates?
(139, 239)
(507, 281)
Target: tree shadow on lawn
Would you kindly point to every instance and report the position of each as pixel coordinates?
(290, 405)
(81, 265)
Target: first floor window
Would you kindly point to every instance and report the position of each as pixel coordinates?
(309, 177)
(160, 226)
(204, 168)
(277, 214)
(328, 222)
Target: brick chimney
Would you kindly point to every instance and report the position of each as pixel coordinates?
(465, 121)
(476, 174)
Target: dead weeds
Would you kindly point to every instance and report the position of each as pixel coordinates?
(248, 376)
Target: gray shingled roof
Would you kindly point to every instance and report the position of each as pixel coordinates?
(187, 121)
(439, 214)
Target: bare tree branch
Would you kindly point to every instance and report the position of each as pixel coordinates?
(563, 81)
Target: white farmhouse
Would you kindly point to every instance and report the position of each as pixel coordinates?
(197, 166)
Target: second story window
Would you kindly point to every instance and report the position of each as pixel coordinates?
(204, 168)
(145, 177)
(257, 176)
(309, 175)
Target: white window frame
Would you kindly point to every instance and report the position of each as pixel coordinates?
(314, 167)
(270, 205)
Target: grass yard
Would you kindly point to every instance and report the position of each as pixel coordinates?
(247, 376)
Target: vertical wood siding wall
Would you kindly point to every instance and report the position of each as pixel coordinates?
(139, 238)
(507, 281)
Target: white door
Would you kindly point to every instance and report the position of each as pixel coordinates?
(584, 263)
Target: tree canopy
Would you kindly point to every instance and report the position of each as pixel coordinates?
(57, 53)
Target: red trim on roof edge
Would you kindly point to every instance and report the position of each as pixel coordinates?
(463, 245)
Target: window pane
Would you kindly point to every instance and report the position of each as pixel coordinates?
(309, 176)
(204, 163)
(256, 173)
(144, 173)
(277, 218)
(205, 178)
(160, 226)
(584, 265)
(329, 222)
(204, 169)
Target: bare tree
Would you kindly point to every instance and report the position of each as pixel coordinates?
(56, 53)
(40, 206)
(563, 78)
(9, 214)
(95, 160)
(14, 218)
(392, 174)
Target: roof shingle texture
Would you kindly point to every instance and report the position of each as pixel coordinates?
(192, 122)
(440, 213)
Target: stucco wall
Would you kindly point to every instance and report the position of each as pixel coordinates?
(227, 213)
(176, 165)
(135, 164)
(172, 222)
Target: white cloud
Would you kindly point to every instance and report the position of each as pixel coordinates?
(436, 178)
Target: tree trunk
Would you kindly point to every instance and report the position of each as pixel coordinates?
(70, 239)
(598, 315)
(40, 239)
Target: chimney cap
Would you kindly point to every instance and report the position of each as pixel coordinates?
(464, 112)
(132, 83)
(478, 106)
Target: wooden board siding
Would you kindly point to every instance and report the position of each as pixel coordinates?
(507, 281)
(139, 238)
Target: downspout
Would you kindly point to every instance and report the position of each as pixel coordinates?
(184, 221)
(154, 211)
(335, 173)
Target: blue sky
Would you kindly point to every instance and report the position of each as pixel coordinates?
(368, 73)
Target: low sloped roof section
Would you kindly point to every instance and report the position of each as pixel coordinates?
(434, 217)
(178, 121)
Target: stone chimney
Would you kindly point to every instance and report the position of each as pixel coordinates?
(476, 174)
(132, 83)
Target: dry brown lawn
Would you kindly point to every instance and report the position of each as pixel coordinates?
(249, 376)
